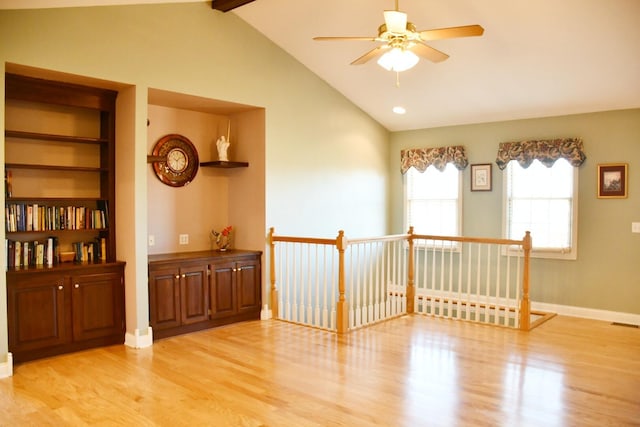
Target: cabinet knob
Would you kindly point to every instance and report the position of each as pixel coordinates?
(184, 275)
(76, 286)
(60, 287)
(235, 269)
(177, 276)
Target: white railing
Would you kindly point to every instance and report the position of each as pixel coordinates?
(376, 279)
(307, 273)
(479, 280)
(340, 285)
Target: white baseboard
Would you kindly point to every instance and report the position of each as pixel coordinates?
(136, 340)
(587, 313)
(6, 368)
(265, 314)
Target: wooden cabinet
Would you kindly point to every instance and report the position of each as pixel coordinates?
(69, 309)
(164, 298)
(197, 290)
(178, 295)
(97, 304)
(233, 287)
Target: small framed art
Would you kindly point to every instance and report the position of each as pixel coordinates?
(481, 177)
(612, 181)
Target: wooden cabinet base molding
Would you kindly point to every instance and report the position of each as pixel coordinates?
(192, 291)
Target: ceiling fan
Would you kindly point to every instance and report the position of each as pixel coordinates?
(403, 44)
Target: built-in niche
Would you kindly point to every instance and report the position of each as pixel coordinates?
(221, 193)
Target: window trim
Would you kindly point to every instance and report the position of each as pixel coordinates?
(539, 252)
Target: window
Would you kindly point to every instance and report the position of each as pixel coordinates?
(543, 200)
(433, 201)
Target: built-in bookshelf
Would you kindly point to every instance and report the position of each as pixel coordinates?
(65, 289)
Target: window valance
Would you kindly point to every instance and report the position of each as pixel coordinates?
(422, 158)
(546, 151)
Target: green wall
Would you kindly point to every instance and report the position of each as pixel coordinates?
(606, 275)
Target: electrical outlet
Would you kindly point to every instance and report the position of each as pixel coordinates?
(184, 239)
(152, 240)
(635, 227)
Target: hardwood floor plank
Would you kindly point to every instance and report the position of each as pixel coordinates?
(414, 370)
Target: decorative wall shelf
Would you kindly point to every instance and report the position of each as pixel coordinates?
(224, 165)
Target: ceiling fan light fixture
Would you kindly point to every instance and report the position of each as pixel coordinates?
(398, 59)
(396, 21)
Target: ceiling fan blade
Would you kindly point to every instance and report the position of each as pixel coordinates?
(373, 53)
(344, 38)
(427, 52)
(451, 32)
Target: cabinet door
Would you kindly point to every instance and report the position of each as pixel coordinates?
(98, 305)
(194, 294)
(248, 279)
(37, 313)
(164, 298)
(223, 290)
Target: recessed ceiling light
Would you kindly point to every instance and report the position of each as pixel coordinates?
(399, 110)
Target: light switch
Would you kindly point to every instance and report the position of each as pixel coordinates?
(635, 227)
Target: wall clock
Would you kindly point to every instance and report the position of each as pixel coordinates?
(175, 160)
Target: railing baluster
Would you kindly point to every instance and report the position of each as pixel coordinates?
(498, 300)
(487, 293)
(508, 287)
(289, 248)
(425, 281)
(441, 302)
(460, 286)
(450, 288)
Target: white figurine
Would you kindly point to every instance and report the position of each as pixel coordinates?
(222, 145)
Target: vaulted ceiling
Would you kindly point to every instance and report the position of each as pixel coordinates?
(536, 58)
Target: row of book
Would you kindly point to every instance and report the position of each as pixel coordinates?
(34, 217)
(91, 251)
(47, 252)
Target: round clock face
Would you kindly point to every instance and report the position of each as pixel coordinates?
(181, 164)
(177, 160)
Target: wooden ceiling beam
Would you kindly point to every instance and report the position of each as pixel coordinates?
(227, 5)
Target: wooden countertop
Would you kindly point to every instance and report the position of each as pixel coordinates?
(201, 255)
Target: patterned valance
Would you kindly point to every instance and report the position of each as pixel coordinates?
(546, 151)
(422, 158)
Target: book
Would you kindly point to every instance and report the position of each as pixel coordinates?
(29, 218)
(39, 247)
(25, 254)
(36, 220)
(49, 252)
(103, 249)
(17, 256)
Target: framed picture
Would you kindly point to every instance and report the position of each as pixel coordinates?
(481, 177)
(612, 181)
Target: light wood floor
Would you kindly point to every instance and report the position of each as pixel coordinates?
(411, 371)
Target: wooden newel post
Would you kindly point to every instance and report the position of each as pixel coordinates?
(272, 274)
(342, 315)
(525, 305)
(411, 289)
